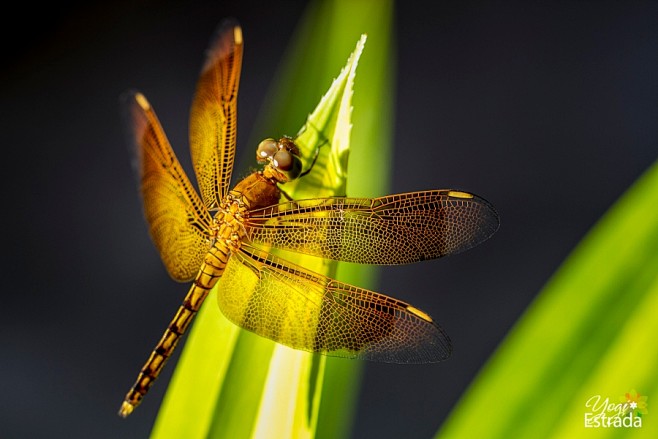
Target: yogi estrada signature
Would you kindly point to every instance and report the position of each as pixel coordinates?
(627, 413)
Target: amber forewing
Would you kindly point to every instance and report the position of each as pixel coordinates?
(213, 117)
(396, 229)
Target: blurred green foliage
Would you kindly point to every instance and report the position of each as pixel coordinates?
(591, 331)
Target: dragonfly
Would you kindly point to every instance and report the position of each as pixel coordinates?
(223, 232)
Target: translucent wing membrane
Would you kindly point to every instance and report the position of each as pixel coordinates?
(396, 229)
(178, 221)
(213, 117)
(305, 310)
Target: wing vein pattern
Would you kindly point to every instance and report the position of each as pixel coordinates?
(213, 117)
(305, 310)
(390, 230)
(178, 221)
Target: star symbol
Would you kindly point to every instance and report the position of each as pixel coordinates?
(633, 405)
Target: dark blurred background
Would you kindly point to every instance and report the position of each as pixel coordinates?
(547, 109)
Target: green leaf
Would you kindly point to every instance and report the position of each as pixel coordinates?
(591, 331)
(329, 30)
(232, 383)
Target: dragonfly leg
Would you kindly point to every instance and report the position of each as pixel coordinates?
(324, 141)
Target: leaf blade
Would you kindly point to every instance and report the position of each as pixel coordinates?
(578, 328)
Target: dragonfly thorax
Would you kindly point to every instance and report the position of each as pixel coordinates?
(228, 223)
(254, 192)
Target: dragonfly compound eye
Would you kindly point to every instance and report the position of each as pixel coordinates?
(266, 150)
(288, 163)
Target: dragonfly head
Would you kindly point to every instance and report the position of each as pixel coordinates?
(281, 159)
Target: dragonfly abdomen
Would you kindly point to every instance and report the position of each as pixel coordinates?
(210, 271)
